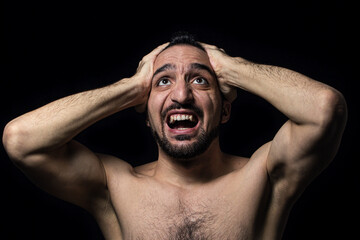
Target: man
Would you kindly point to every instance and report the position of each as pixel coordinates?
(194, 190)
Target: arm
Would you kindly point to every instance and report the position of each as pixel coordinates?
(40, 142)
(309, 140)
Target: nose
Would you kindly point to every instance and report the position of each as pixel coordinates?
(182, 93)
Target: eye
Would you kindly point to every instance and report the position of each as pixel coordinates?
(200, 80)
(164, 82)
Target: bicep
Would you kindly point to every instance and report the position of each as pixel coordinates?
(299, 152)
(72, 173)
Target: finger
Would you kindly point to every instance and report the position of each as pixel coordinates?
(162, 46)
(158, 49)
(222, 50)
(154, 53)
(207, 46)
(211, 47)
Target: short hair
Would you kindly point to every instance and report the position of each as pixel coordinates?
(184, 38)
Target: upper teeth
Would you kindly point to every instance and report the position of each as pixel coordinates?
(181, 117)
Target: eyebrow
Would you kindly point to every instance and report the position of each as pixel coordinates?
(164, 68)
(201, 66)
(198, 66)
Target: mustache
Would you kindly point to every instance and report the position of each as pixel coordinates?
(191, 107)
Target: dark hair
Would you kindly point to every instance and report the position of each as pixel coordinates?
(184, 38)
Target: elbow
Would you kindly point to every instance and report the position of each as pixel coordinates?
(14, 142)
(333, 109)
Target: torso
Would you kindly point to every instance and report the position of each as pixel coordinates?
(234, 206)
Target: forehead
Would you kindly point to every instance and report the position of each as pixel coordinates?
(181, 55)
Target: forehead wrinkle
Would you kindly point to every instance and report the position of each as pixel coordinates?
(191, 66)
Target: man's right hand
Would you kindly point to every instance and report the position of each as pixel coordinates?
(144, 75)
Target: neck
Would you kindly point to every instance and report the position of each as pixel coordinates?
(190, 172)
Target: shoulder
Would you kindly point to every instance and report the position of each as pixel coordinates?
(256, 161)
(234, 162)
(117, 170)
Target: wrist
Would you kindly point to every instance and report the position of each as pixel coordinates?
(137, 89)
(238, 73)
(230, 72)
(124, 93)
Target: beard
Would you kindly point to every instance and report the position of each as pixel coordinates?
(190, 150)
(186, 151)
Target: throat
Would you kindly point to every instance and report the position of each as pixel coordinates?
(185, 173)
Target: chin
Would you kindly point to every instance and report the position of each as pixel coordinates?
(186, 147)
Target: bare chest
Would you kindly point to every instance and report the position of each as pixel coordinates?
(204, 215)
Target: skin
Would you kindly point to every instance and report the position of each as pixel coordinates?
(187, 86)
(210, 196)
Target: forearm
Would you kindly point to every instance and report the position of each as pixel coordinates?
(56, 123)
(300, 98)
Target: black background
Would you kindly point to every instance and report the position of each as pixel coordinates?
(52, 49)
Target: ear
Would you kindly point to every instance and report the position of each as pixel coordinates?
(226, 111)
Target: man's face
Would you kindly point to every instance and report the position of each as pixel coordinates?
(185, 105)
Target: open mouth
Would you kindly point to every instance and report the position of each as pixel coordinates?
(182, 121)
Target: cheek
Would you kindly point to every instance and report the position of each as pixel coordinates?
(154, 108)
(154, 102)
(211, 106)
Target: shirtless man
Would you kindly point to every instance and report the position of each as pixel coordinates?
(194, 190)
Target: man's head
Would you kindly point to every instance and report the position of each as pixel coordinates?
(185, 106)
